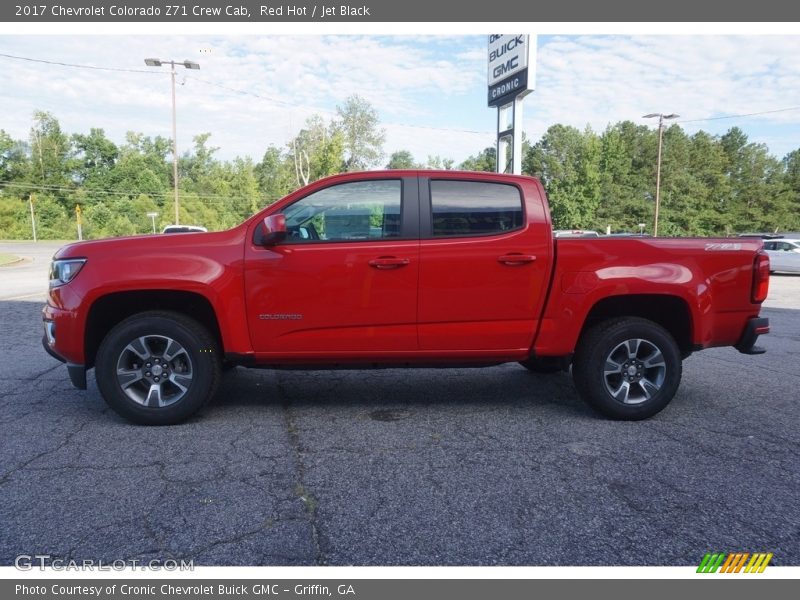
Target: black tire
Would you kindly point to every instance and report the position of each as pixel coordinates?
(544, 365)
(649, 370)
(184, 361)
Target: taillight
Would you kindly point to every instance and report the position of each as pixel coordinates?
(760, 277)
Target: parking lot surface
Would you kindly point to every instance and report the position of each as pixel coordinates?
(403, 467)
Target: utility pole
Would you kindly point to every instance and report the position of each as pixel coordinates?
(157, 62)
(175, 146)
(78, 220)
(661, 118)
(33, 219)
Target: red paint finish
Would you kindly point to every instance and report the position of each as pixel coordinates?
(414, 298)
(328, 297)
(712, 281)
(486, 292)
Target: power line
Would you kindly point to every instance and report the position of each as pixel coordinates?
(315, 109)
(90, 192)
(243, 92)
(77, 66)
(330, 112)
(753, 114)
(230, 89)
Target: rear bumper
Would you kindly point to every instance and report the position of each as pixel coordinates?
(754, 328)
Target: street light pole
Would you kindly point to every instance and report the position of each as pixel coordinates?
(175, 145)
(157, 62)
(153, 216)
(661, 119)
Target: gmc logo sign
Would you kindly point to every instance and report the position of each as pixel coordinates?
(508, 54)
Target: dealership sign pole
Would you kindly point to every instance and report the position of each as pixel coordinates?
(511, 77)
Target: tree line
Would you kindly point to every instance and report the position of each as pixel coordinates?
(711, 185)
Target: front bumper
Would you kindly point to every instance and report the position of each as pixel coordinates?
(77, 373)
(754, 328)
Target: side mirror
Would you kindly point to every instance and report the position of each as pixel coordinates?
(273, 230)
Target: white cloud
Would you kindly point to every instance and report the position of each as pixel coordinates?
(425, 81)
(600, 79)
(287, 77)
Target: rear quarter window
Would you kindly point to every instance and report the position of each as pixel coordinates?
(469, 208)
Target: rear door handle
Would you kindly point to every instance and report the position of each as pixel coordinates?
(514, 259)
(388, 262)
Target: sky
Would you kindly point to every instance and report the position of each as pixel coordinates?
(253, 91)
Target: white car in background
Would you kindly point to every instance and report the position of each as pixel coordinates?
(784, 255)
(184, 229)
(574, 233)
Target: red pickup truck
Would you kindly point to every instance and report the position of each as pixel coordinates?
(399, 269)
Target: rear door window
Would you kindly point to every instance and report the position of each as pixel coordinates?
(470, 208)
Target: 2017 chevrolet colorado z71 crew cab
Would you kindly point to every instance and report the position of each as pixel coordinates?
(399, 268)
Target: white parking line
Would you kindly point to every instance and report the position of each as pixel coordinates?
(41, 294)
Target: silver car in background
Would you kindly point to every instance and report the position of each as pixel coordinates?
(784, 255)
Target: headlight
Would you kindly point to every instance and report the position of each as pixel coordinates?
(64, 270)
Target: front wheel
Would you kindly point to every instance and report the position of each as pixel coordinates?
(157, 367)
(627, 368)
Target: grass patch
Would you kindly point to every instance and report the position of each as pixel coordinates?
(7, 259)
(307, 498)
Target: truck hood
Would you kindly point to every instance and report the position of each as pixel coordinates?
(149, 244)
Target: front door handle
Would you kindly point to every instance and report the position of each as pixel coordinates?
(514, 259)
(388, 262)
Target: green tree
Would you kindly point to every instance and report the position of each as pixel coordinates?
(275, 178)
(679, 192)
(759, 200)
(711, 187)
(245, 195)
(141, 168)
(485, 160)
(96, 156)
(791, 181)
(437, 162)
(401, 159)
(362, 136)
(627, 177)
(14, 218)
(316, 151)
(13, 159)
(51, 156)
(568, 163)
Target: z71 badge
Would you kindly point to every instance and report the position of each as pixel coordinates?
(723, 246)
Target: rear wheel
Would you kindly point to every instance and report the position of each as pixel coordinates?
(627, 368)
(157, 368)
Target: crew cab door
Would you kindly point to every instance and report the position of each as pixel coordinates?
(485, 262)
(344, 281)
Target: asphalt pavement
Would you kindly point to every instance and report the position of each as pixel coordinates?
(26, 279)
(403, 467)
